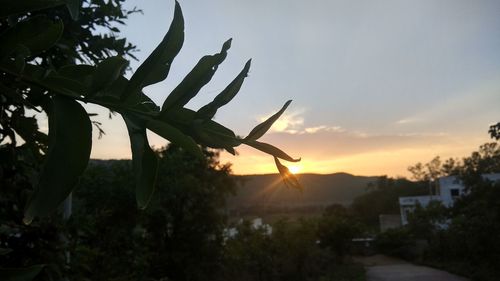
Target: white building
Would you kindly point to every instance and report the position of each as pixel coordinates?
(448, 189)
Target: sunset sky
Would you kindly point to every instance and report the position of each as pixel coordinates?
(376, 85)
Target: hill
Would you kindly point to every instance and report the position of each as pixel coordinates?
(266, 193)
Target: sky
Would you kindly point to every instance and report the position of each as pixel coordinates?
(376, 86)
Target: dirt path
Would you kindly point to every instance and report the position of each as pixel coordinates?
(383, 268)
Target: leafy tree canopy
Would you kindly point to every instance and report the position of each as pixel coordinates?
(61, 82)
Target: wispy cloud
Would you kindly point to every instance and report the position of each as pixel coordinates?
(326, 150)
(324, 128)
(294, 123)
(409, 120)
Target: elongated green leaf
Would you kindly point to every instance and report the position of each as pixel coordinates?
(21, 274)
(70, 141)
(157, 65)
(138, 102)
(215, 135)
(208, 111)
(76, 71)
(175, 136)
(205, 132)
(288, 178)
(63, 85)
(270, 149)
(198, 77)
(144, 160)
(14, 7)
(107, 72)
(180, 116)
(36, 34)
(263, 127)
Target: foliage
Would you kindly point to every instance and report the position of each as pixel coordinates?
(428, 172)
(425, 223)
(383, 198)
(464, 237)
(395, 242)
(27, 36)
(473, 234)
(179, 236)
(495, 131)
(69, 83)
(469, 169)
(336, 230)
(290, 252)
(52, 57)
(89, 39)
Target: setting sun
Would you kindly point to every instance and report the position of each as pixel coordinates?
(294, 169)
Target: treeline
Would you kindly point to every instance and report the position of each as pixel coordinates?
(182, 235)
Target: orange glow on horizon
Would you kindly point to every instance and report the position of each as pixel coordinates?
(294, 169)
(391, 162)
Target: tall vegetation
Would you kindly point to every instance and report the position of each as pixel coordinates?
(179, 236)
(183, 234)
(70, 129)
(53, 59)
(383, 198)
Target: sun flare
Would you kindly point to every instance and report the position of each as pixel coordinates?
(294, 169)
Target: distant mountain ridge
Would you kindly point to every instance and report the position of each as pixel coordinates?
(268, 191)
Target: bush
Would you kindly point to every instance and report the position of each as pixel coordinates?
(396, 242)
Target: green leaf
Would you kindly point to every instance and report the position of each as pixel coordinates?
(80, 75)
(144, 160)
(205, 132)
(270, 149)
(215, 135)
(208, 111)
(70, 142)
(21, 274)
(263, 127)
(76, 71)
(25, 127)
(288, 178)
(175, 136)
(198, 77)
(180, 117)
(74, 8)
(107, 72)
(113, 94)
(65, 86)
(157, 65)
(36, 34)
(14, 7)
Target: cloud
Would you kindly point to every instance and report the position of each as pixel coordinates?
(294, 123)
(290, 123)
(324, 128)
(409, 120)
(357, 152)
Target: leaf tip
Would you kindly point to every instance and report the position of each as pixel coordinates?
(177, 5)
(227, 45)
(247, 66)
